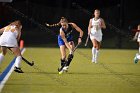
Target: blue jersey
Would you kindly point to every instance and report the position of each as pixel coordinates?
(68, 35)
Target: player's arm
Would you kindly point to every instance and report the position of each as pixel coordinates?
(103, 24)
(62, 34)
(78, 29)
(137, 33)
(136, 36)
(19, 35)
(89, 26)
(139, 27)
(19, 32)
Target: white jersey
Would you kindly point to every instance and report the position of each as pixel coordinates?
(96, 31)
(9, 37)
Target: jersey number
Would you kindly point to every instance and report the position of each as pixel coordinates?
(9, 28)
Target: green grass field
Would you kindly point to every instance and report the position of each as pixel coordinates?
(115, 73)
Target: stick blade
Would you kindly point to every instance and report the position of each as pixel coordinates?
(32, 63)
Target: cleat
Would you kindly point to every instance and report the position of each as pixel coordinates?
(18, 70)
(96, 61)
(135, 60)
(58, 69)
(93, 60)
(65, 69)
(61, 68)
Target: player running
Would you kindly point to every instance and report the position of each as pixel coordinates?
(137, 36)
(95, 27)
(9, 40)
(65, 39)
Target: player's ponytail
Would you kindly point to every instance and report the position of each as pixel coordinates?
(63, 19)
(53, 25)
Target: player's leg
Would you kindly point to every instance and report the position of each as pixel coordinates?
(94, 48)
(139, 47)
(3, 53)
(18, 60)
(69, 59)
(137, 56)
(63, 58)
(62, 50)
(63, 54)
(97, 51)
(70, 56)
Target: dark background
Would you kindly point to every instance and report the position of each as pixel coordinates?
(121, 16)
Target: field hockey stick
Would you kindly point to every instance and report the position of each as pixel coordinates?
(87, 40)
(76, 47)
(26, 61)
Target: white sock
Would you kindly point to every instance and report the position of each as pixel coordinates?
(1, 57)
(18, 61)
(93, 53)
(138, 56)
(96, 54)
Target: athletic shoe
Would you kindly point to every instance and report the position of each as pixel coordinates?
(18, 70)
(93, 60)
(59, 69)
(65, 69)
(136, 60)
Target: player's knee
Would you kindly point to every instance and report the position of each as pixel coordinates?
(17, 54)
(95, 46)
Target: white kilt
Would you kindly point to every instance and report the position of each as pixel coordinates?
(8, 40)
(96, 35)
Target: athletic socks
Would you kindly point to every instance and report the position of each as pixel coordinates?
(18, 61)
(70, 57)
(62, 62)
(1, 57)
(138, 56)
(94, 54)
